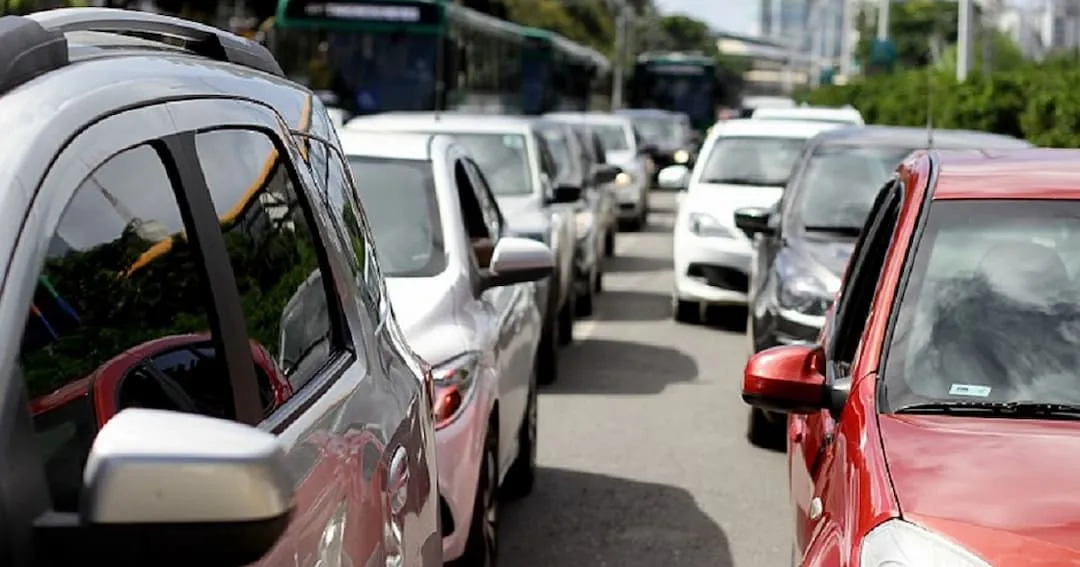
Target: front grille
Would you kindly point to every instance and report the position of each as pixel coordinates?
(720, 276)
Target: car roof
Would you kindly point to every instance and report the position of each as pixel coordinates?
(389, 145)
(809, 113)
(910, 137)
(748, 127)
(590, 117)
(647, 112)
(1031, 173)
(446, 122)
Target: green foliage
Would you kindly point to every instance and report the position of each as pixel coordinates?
(1038, 102)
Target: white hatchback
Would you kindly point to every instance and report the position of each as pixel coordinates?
(743, 163)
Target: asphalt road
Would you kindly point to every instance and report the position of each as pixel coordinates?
(643, 454)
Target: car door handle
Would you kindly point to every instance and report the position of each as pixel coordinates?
(397, 485)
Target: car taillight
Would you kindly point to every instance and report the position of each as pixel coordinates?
(452, 383)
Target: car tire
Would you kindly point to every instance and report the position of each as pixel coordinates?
(547, 356)
(763, 432)
(609, 243)
(598, 281)
(522, 474)
(566, 320)
(583, 307)
(686, 311)
(482, 545)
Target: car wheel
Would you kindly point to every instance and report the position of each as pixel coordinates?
(522, 475)
(566, 320)
(547, 356)
(598, 281)
(609, 243)
(482, 545)
(763, 432)
(584, 305)
(686, 311)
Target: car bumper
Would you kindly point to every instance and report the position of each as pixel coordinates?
(630, 200)
(459, 446)
(712, 270)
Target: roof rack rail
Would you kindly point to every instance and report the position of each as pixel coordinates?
(202, 39)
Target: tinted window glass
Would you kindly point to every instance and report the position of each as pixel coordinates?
(658, 130)
(119, 287)
(992, 312)
(612, 136)
(752, 161)
(399, 198)
(560, 150)
(504, 160)
(272, 249)
(839, 184)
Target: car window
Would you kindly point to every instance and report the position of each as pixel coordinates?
(839, 183)
(613, 137)
(760, 160)
(492, 216)
(504, 159)
(561, 152)
(120, 285)
(399, 198)
(272, 248)
(548, 165)
(481, 240)
(992, 308)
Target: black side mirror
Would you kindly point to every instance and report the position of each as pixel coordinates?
(564, 193)
(754, 220)
(605, 173)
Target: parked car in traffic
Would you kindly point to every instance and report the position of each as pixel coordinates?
(673, 138)
(183, 303)
(846, 115)
(461, 287)
(743, 163)
(520, 170)
(604, 174)
(803, 243)
(936, 408)
(592, 230)
(625, 147)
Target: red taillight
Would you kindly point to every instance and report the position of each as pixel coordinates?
(448, 401)
(453, 382)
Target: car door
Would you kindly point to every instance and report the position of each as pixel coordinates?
(404, 476)
(811, 436)
(507, 306)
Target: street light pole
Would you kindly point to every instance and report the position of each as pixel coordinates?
(963, 48)
(883, 19)
(620, 53)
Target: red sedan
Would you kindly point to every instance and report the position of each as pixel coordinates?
(935, 421)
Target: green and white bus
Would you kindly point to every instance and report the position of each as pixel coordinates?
(680, 82)
(387, 55)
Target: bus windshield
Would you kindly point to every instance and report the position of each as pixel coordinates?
(378, 72)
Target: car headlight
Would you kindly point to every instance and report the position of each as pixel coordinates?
(624, 179)
(706, 225)
(803, 294)
(896, 543)
(681, 156)
(583, 221)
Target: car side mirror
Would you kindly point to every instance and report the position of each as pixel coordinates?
(605, 173)
(565, 193)
(754, 220)
(673, 177)
(787, 379)
(518, 260)
(162, 487)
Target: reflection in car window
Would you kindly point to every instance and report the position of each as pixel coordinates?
(504, 160)
(752, 161)
(993, 310)
(839, 184)
(559, 147)
(120, 285)
(612, 136)
(659, 130)
(272, 249)
(399, 199)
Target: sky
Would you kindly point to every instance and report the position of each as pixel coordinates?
(738, 16)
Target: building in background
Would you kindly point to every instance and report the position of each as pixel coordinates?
(815, 27)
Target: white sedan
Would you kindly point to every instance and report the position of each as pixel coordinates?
(743, 163)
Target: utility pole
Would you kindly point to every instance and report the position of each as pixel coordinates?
(963, 48)
(847, 43)
(618, 72)
(883, 19)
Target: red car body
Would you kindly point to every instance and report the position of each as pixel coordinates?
(1001, 489)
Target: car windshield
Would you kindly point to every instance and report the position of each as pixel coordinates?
(991, 312)
(560, 149)
(839, 183)
(664, 131)
(752, 160)
(612, 136)
(504, 160)
(398, 197)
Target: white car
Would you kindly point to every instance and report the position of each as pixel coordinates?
(743, 163)
(847, 115)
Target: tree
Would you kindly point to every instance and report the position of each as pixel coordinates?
(916, 27)
(683, 33)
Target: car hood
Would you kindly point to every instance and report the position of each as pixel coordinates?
(620, 157)
(1001, 488)
(425, 311)
(721, 201)
(523, 213)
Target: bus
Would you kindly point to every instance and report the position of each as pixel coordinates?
(680, 82)
(424, 55)
(561, 75)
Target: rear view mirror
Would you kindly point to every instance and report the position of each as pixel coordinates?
(673, 177)
(754, 220)
(565, 193)
(605, 173)
(173, 488)
(517, 260)
(788, 379)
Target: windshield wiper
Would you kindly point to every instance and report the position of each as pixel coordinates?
(834, 229)
(739, 181)
(1039, 410)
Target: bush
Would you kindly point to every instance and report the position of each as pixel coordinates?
(1038, 102)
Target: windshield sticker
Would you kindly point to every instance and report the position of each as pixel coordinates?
(514, 142)
(969, 390)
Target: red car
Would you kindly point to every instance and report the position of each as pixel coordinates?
(935, 420)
